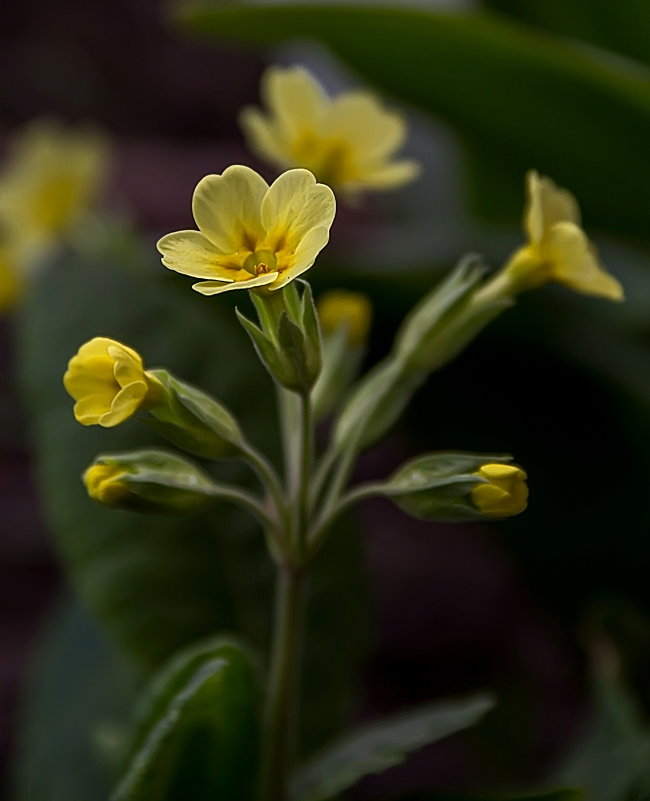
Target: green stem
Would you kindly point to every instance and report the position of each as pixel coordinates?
(306, 458)
(280, 732)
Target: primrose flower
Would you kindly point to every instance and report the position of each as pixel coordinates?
(251, 235)
(348, 141)
(557, 248)
(108, 383)
(342, 309)
(50, 181)
(505, 492)
(103, 483)
(10, 285)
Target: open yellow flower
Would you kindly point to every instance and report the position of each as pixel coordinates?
(50, 180)
(557, 249)
(504, 493)
(108, 383)
(348, 141)
(251, 235)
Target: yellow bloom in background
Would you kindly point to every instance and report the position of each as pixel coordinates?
(505, 492)
(10, 284)
(108, 382)
(348, 141)
(103, 483)
(352, 310)
(251, 235)
(557, 248)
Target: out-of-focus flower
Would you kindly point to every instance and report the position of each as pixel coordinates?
(108, 383)
(350, 310)
(251, 235)
(47, 185)
(505, 492)
(557, 248)
(348, 141)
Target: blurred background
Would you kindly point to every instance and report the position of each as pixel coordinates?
(551, 610)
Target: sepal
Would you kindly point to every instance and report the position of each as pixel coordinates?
(193, 420)
(150, 481)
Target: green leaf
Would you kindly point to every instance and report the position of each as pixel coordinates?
(382, 745)
(509, 90)
(569, 794)
(77, 699)
(198, 733)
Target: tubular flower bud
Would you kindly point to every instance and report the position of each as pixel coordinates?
(348, 141)
(108, 382)
(557, 248)
(103, 483)
(349, 310)
(251, 235)
(504, 492)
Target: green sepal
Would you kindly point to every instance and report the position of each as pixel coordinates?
(340, 366)
(193, 420)
(437, 486)
(158, 482)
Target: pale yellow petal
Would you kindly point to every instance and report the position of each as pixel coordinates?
(216, 288)
(294, 205)
(574, 262)
(295, 97)
(359, 119)
(546, 204)
(125, 403)
(263, 137)
(310, 246)
(89, 410)
(191, 253)
(389, 176)
(226, 208)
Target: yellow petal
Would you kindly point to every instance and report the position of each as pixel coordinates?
(294, 205)
(226, 208)
(305, 255)
(216, 288)
(546, 204)
(191, 253)
(389, 175)
(295, 97)
(574, 262)
(124, 404)
(263, 136)
(359, 119)
(89, 410)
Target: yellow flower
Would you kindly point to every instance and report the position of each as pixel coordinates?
(348, 141)
(251, 235)
(505, 492)
(10, 284)
(558, 248)
(352, 310)
(103, 483)
(108, 383)
(50, 181)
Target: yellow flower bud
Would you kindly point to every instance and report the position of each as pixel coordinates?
(108, 383)
(103, 483)
(504, 492)
(352, 310)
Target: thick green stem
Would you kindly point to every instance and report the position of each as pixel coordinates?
(280, 733)
(306, 458)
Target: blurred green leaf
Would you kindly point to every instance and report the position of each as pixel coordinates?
(198, 734)
(78, 698)
(614, 754)
(155, 583)
(518, 97)
(382, 745)
(623, 26)
(570, 794)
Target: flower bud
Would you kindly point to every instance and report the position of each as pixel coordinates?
(458, 486)
(150, 481)
(351, 311)
(504, 493)
(108, 382)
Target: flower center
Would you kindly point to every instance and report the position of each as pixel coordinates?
(261, 262)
